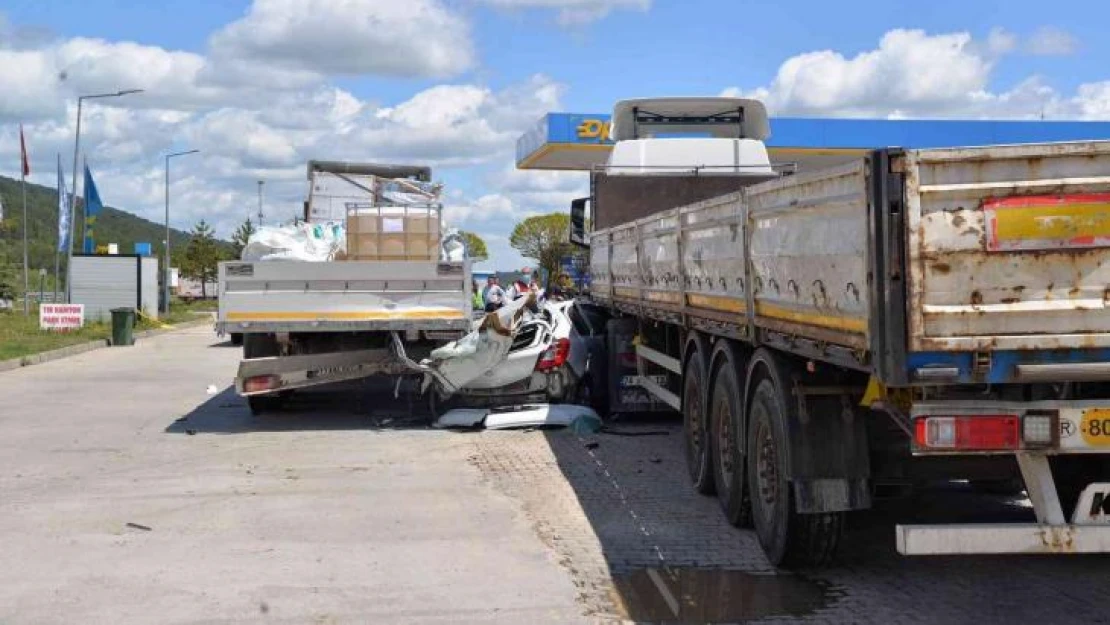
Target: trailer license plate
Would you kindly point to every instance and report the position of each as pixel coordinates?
(1095, 427)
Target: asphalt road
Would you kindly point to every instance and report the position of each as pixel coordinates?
(135, 487)
(316, 517)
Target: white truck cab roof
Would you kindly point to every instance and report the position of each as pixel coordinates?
(705, 136)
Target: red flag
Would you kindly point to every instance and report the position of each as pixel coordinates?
(23, 153)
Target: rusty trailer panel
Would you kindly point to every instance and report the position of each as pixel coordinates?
(809, 253)
(1008, 247)
(975, 263)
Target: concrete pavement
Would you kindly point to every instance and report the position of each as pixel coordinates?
(314, 516)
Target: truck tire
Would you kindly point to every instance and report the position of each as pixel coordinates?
(260, 346)
(236, 338)
(789, 539)
(695, 433)
(725, 417)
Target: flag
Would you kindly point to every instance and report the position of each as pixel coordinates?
(93, 207)
(25, 162)
(63, 210)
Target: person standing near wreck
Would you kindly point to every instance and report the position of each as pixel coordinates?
(493, 295)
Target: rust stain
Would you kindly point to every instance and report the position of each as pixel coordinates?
(976, 298)
(1011, 300)
(941, 267)
(1073, 292)
(958, 220)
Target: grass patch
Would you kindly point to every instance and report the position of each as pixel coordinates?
(20, 335)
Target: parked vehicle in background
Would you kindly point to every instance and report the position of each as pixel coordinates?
(914, 315)
(190, 290)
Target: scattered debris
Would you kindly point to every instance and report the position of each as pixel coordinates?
(264, 607)
(579, 419)
(139, 527)
(592, 445)
(462, 418)
(655, 460)
(181, 419)
(212, 390)
(191, 432)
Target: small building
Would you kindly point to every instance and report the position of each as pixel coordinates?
(102, 283)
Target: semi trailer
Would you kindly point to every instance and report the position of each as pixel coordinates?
(833, 335)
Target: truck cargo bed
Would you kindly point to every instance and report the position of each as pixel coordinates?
(344, 296)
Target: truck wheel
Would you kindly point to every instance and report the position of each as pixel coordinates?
(694, 425)
(236, 338)
(788, 538)
(728, 459)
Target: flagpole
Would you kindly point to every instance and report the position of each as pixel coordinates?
(58, 247)
(26, 280)
(85, 209)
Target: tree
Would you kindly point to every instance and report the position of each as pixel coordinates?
(543, 238)
(475, 246)
(202, 256)
(241, 236)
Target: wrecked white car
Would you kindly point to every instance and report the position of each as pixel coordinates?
(545, 358)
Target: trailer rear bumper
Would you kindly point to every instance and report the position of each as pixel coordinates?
(1003, 538)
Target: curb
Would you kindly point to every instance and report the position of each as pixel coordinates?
(81, 348)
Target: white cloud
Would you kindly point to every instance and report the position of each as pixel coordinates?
(912, 74)
(574, 12)
(1000, 41)
(1051, 41)
(351, 37)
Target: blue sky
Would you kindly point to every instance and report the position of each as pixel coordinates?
(260, 88)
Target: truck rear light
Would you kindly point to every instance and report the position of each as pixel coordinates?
(555, 356)
(1038, 429)
(261, 383)
(969, 433)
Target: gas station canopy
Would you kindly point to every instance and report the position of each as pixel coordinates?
(580, 141)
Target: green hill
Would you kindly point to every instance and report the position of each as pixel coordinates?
(113, 226)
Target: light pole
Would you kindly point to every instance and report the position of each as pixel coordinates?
(73, 194)
(166, 269)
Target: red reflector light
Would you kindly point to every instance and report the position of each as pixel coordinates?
(555, 356)
(968, 433)
(261, 383)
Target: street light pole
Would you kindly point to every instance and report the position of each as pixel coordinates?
(260, 183)
(166, 268)
(73, 194)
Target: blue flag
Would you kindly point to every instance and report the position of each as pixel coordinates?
(93, 206)
(63, 211)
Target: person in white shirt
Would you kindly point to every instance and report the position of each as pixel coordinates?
(493, 295)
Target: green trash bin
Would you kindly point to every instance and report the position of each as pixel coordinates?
(123, 326)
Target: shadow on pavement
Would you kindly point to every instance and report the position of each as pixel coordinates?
(366, 405)
(672, 557)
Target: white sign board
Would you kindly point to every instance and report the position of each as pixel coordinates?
(61, 316)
